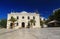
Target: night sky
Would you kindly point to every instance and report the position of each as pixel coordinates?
(45, 7)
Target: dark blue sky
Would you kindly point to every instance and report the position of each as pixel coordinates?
(45, 7)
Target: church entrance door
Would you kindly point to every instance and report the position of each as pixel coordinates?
(23, 24)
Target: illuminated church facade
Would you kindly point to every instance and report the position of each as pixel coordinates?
(23, 19)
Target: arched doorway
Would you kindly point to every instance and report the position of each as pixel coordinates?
(23, 24)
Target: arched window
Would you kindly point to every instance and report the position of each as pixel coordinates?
(17, 17)
(33, 17)
(28, 17)
(11, 24)
(22, 17)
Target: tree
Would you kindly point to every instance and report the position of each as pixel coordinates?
(54, 16)
(32, 21)
(41, 23)
(3, 23)
(13, 21)
(57, 14)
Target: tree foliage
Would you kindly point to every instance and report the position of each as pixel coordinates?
(32, 21)
(12, 20)
(57, 15)
(3, 23)
(54, 16)
(41, 22)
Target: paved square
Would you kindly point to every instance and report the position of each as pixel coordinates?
(43, 33)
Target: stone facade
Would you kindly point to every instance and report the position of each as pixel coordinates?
(23, 19)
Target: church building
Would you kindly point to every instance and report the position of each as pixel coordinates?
(23, 20)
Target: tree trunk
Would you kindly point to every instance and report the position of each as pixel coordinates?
(31, 25)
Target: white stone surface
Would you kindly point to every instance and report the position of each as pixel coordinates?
(25, 20)
(43, 33)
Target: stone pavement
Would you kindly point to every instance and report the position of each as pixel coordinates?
(43, 33)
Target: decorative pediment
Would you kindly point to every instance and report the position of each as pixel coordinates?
(23, 12)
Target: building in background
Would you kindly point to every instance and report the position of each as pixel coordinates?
(23, 19)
